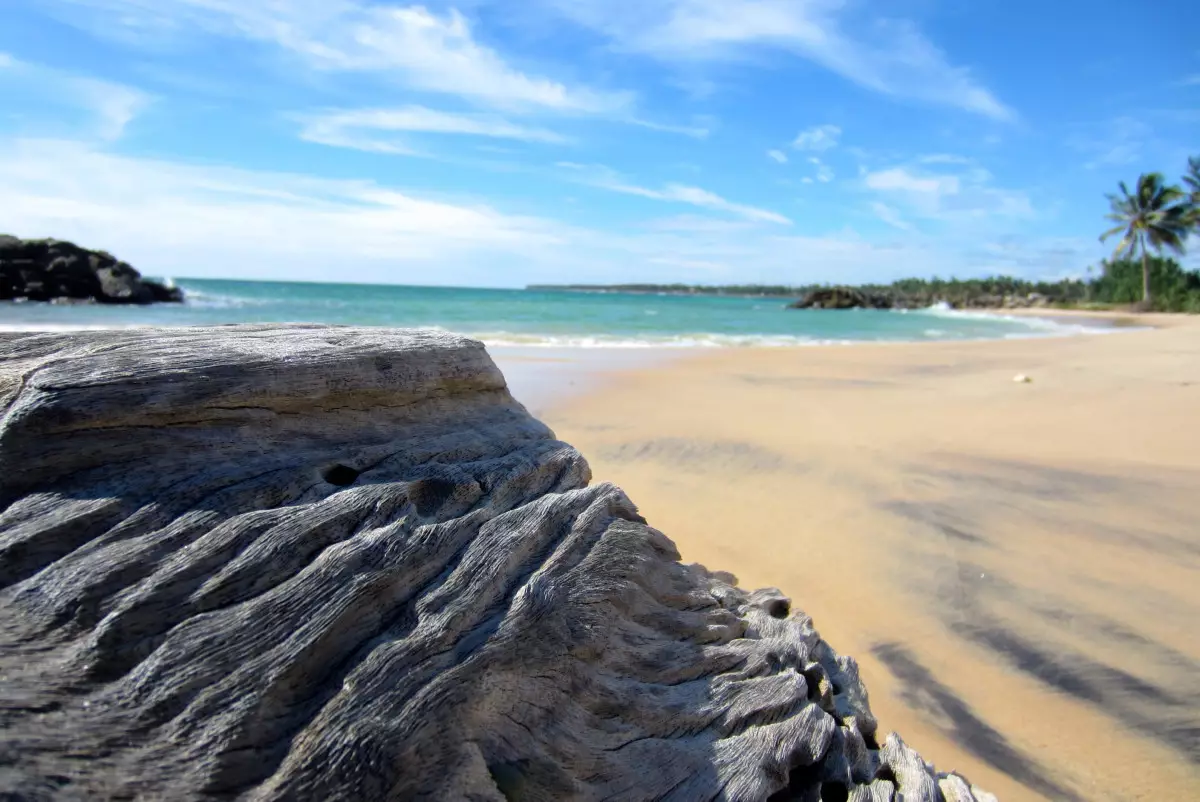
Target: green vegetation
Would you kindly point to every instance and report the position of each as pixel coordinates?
(1155, 216)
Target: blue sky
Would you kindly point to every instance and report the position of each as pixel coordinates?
(504, 142)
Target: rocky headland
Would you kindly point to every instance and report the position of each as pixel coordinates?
(317, 563)
(857, 298)
(62, 272)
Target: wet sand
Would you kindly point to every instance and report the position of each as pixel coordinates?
(1015, 566)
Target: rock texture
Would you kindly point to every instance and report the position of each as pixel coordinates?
(315, 563)
(55, 270)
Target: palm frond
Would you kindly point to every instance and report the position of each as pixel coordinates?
(1155, 215)
(1113, 231)
(1192, 177)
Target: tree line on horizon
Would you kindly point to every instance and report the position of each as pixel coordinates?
(1153, 218)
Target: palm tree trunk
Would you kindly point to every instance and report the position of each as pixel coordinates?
(1145, 280)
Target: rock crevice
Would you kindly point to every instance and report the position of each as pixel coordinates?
(402, 588)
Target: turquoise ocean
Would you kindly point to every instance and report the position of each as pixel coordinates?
(531, 318)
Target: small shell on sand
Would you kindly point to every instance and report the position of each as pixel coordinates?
(1021, 378)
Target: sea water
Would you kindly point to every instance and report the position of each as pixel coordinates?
(533, 318)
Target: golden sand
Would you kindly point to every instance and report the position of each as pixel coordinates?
(1016, 566)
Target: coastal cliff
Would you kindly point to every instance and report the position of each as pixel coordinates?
(61, 271)
(344, 564)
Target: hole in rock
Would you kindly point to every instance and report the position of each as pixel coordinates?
(340, 475)
(509, 780)
(834, 792)
(801, 780)
(779, 608)
(885, 773)
(812, 678)
(428, 495)
(870, 740)
(836, 689)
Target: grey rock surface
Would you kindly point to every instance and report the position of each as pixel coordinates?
(313, 563)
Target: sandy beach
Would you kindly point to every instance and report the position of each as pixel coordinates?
(1015, 566)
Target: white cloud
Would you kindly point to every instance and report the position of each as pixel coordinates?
(604, 178)
(112, 106)
(361, 129)
(824, 172)
(903, 180)
(949, 196)
(168, 217)
(890, 216)
(411, 44)
(887, 56)
(778, 155)
(694, 131)
(115, 104)
(945, 158)
(818, 138)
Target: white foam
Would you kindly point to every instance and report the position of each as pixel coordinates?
(205, 300)
(697, 340)
(39, 327)
(1045, 325)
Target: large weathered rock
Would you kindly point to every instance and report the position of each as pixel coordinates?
(343, 564)
(49, 269)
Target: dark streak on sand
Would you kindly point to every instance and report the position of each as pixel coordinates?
(925, 693)
(939, 517)
(1166, 714)
(697, 456)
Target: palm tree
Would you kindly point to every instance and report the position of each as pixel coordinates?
(1192, 179)
(1154, 216)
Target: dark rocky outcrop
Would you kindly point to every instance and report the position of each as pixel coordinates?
(844, 298)
(56, 270)
(312, 563)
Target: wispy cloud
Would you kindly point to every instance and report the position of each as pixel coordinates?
(1191, 80)
(112, 106)
(412, 45)
(818, 138)
(890, 216)
(777, 155)
(901, 179)
(605, 178)
(1115, 142)
(365, 129)
(888, 56)
(947, 196)
(694, 131)
(945, 158)
(824, 172)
